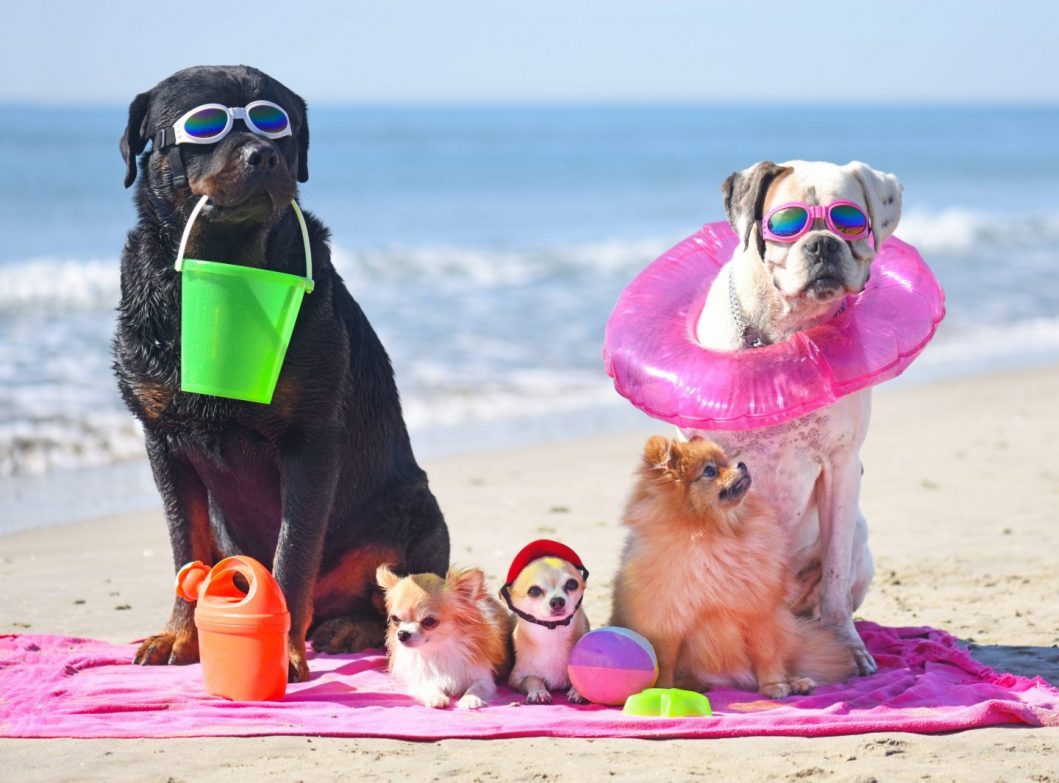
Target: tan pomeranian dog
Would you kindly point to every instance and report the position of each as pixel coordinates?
(545, 587)
(447, 638)
(703, 577)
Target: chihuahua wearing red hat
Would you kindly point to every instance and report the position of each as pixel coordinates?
(545, 587)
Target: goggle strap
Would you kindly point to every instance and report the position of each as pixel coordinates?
(176, 167)
(165, 138)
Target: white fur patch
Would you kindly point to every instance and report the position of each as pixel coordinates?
(446, 667)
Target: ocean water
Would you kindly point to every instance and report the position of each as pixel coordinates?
(488, 245)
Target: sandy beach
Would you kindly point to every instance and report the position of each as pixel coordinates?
(960, 490)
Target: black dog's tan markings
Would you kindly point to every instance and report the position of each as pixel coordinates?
(321, 485)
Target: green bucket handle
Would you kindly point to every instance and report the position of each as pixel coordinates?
(309, 283)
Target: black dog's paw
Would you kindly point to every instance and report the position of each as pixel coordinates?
(348, 634)
(168, 648)
(297, 664)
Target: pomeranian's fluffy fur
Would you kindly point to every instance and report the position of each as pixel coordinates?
(550, 589)
(703, 577)
(447, 638)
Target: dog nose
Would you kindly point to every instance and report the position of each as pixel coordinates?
(822, 245)
(741, 467)
(557, 603)
(402, 636)
(260, 157)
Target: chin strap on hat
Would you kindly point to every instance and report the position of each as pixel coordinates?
(165, 141)
(542, 547)
(551, 625)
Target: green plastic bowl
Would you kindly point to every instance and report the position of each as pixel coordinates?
(668, 703)
(236, 323)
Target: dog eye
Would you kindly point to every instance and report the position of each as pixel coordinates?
(535, 592)
(709, 472)
(395, 619)
(429, 622)
(571, 585)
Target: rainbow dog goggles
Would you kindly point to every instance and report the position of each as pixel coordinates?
(211, 122)
(788, 222)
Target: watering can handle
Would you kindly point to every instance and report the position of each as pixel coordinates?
(297, 213)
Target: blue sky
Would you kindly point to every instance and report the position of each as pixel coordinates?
(475, 51)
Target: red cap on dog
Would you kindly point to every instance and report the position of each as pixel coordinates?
(542, 547)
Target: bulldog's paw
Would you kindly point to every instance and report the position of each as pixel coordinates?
(860, 659)
(863, 661)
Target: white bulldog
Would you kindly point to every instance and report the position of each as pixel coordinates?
(781, 279)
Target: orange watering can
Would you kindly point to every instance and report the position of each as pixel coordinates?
(243, 626)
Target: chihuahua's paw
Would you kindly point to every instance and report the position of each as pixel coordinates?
(775, 690)
(538, 696)
(436, 700)
(471, 701)
(574, 697)
(802, 685)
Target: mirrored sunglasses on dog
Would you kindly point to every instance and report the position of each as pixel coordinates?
(211, 122)
(788, 222)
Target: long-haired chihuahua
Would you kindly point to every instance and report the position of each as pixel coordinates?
(447, 638)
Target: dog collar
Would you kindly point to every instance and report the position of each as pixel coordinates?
(750, 336)
(551, 625)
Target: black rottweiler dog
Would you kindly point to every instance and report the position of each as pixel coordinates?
(321, 485)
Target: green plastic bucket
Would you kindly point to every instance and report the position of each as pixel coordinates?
(236, 322)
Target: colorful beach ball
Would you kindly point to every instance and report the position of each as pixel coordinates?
(608, 665)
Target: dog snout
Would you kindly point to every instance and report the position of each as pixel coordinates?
(403, 636)
(742, 468)
(260, 157)
(823, 246)
(558, 602)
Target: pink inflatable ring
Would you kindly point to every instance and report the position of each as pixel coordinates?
(651, 352)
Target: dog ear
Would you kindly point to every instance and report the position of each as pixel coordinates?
(744, 199)
(134, 140)
(469, 582)
(385, 576)
(882, 194)
(656, 453)
(303, 144)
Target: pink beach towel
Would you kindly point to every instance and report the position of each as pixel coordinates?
(54, 686)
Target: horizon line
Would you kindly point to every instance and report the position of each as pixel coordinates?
(568, 102)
